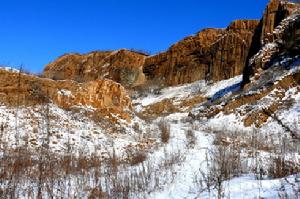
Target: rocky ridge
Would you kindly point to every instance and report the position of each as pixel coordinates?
(272, 34)
(122, 66)
(211, 55)
(104, 96)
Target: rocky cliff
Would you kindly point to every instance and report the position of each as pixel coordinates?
(271, 35)
(103, 96)
(212, 54)
(122, 66)
(276, 11)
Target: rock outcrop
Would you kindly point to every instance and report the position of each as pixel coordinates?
(122, 66)
(212, 54)
(276, 11)
(103, 96)
(277, 32)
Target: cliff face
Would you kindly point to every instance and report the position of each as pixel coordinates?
(277, 32)
(122, 66)
(212, 54)
(275, 12)
(103, 96)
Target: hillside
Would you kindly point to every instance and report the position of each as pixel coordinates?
(215, 116)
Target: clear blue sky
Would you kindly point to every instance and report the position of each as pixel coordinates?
(35, 32)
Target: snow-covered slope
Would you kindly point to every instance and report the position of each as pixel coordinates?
(66, 131)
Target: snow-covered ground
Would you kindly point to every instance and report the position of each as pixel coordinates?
(187, 172)
(247, 185)
(67, 131)
(173, 169)
(202, 88)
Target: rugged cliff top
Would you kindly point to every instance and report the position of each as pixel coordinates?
(103, 96)
(123, 66)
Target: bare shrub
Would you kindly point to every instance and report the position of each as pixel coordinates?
(138, 158)
(165, 131)
(150, 87)
(223, 163)
(191, 138)
(97, 193)
(221, 139)
(279, 167)
(77, 176)
(173, 158)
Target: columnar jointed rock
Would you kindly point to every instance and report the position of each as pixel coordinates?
(276, 11)
(275, 32)
(212, 54)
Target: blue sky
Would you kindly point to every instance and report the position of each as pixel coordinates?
(35, 32)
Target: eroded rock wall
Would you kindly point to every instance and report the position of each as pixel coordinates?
(212, 54)
(104, 96)
(122, 66)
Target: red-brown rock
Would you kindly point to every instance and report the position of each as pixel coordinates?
(212, 54)
(276, 11)
(104, 96)
(122, 66)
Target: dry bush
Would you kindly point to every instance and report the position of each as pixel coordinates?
(279, 168)
(97, 193)
(165, 131)
(150, 87)
(171, 159)
(191, 138)
(220, 139)
(223, 163)
(226, 162)
(54, 176)
(138, 158)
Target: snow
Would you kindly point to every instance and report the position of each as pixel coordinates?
(230, 122)
(10, 69)
(179, 179)
(224, 87)
(67, 128)
(177, 93)
(248, 187)
(65, 93)
(286, 22)
(184, 183)
(185, 172)
(265, 52)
